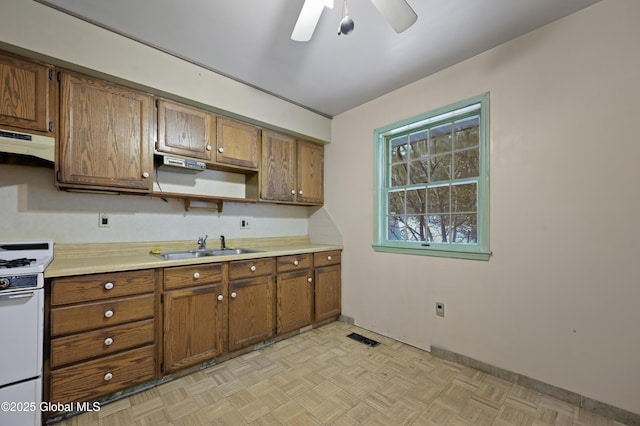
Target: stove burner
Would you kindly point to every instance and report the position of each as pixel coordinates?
(15, 263)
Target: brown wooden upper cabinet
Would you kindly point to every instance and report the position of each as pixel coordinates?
(105, 136)
(186, 131)
(237, 144)
(27, 95)
(292, 171)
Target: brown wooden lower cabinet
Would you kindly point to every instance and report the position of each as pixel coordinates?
(102, 328)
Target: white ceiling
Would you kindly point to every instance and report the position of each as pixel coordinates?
(249, 40)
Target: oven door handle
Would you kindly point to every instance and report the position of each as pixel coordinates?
(16, 296)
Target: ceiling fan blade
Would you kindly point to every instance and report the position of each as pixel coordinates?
(397, 12)
(308, 19)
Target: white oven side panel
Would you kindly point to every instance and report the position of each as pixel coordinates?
(21, 334)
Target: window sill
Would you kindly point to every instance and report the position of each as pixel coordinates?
(433, 252)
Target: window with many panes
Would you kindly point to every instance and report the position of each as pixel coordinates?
(432, 183)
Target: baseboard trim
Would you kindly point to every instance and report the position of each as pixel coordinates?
(589, 404)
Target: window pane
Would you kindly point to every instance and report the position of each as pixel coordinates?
(467, 132)
(464, 198)
(419, 144)
(416, 228)
(438, 199)
(441, 168)
(465, 229)
(418, 171)
(398, 147)
(399, 175)
(395, 229)
(396, 202)
(466, 164)
(440, 139)
(438, 228)
(416, 202)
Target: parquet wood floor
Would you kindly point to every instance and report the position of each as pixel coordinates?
(324, 378)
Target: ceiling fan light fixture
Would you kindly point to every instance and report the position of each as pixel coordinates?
(346, 24)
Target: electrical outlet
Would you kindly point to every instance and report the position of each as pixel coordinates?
(103, 220)
(244, 223)
(440, 309)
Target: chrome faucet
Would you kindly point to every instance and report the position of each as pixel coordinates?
(223, 242)
(202, 242)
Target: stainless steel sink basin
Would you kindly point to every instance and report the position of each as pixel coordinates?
(192, 254)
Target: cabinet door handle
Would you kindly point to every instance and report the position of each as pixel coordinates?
(253, 268)
(233, 295)
(108, 286)
(309, 280)
(108, 314)
(220, 297)
(196, 275)
(221, 149)
(145, 175)
(108, 376)
(293, 192)
(108, 341)
(296, 263)
(208, 147)
(300, 192)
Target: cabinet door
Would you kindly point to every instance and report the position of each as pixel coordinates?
(194, 326)
(185, 131)
(27, 95)
(328, 299)
(294, 295)
(237, 144)
(277, 168)
(105, 134)
(310, 189)
(251, 311)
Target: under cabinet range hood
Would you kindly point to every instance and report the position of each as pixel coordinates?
(27, 144)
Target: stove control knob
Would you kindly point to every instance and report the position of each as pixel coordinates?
(4, 283)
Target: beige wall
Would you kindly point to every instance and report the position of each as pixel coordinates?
(558, 301)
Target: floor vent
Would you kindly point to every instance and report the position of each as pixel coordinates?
(362, 339)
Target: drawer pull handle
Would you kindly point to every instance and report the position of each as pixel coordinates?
(309, 280)
(233, 295)
(108, 376)
(253, 268)
(329, 258)
(108, 341)
(108, 286)
(196, 275)
(296, 263)
(220, 297)
(108, 314)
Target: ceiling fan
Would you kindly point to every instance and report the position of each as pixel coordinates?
(397, 12)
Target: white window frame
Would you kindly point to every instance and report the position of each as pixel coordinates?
(479, 251)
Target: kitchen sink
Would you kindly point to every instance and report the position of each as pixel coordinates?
(192, 254)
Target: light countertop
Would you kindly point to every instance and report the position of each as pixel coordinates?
(80, 259)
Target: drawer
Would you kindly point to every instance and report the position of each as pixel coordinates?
(80, 347)
(100, 286)
(325, 258)
(91, 316)
(251, 268)
(191, 276)
(91, 380)
(296, 262)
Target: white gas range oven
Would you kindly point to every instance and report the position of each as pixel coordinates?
(22, 266)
